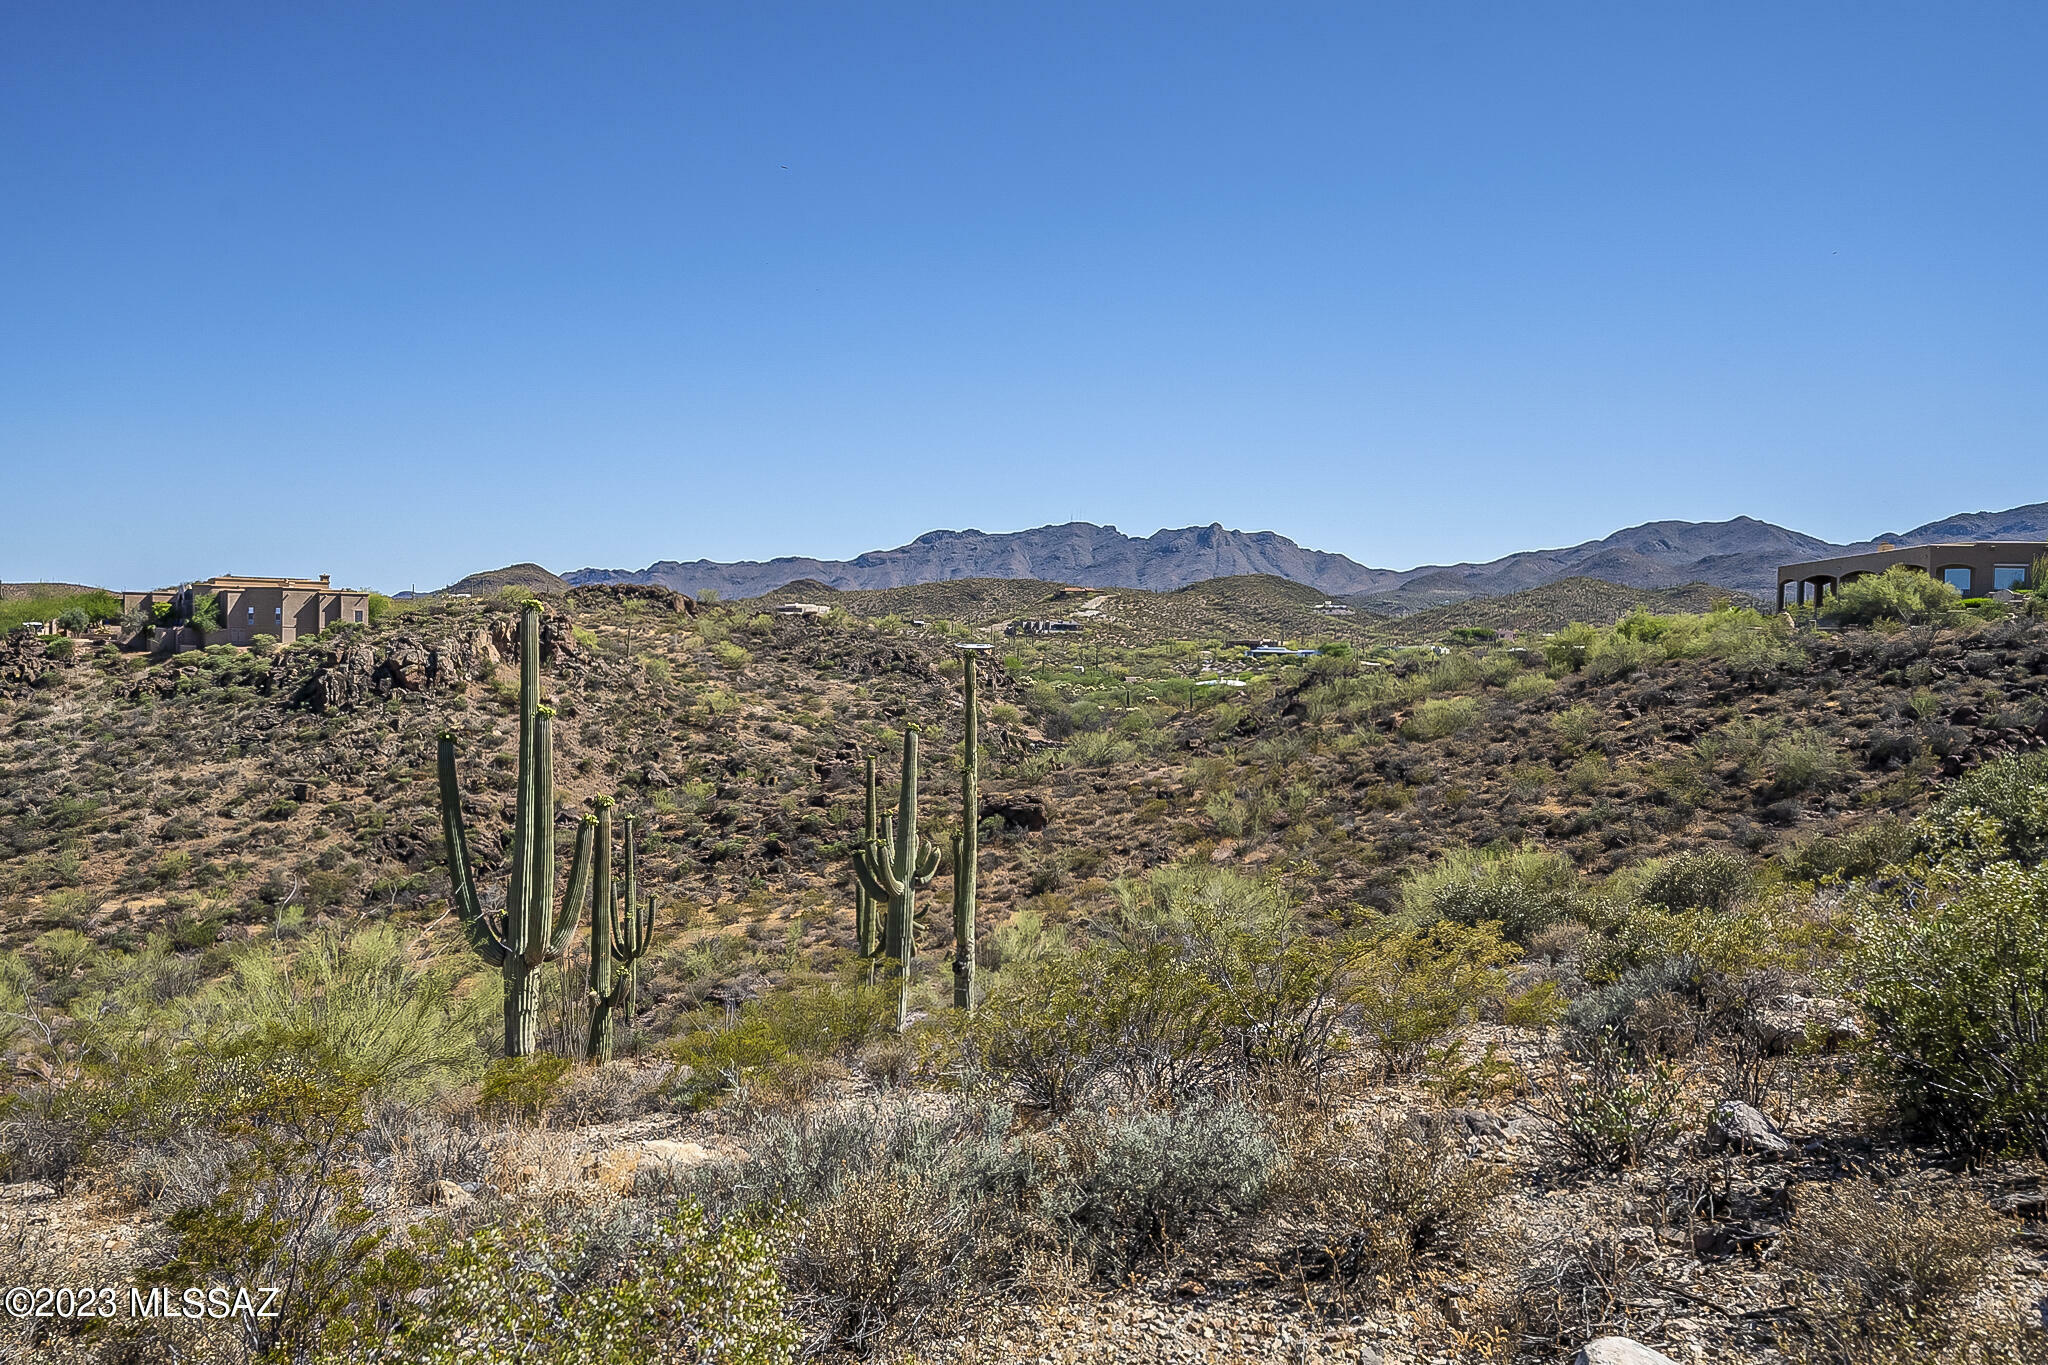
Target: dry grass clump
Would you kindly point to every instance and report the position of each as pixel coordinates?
(1366, 1204)
(1884, 1274)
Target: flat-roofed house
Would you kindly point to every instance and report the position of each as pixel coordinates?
(1975, 569)
(284, 608)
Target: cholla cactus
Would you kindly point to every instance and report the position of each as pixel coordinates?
(894, 870)
(529, 932)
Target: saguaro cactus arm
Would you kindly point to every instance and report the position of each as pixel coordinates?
(476, 926)
(877, 871)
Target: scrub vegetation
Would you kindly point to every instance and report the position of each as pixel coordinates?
(1466, 991)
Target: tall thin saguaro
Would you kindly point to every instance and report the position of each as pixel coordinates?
(867, 928)
(529, 932)
(897, 874)
(618, 938)
(967, 847)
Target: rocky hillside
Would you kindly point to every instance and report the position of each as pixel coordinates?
(207, 793)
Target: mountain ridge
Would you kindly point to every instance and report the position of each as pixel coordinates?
(1740, 554)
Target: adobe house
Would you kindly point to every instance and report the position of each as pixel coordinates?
(284, 608)
(1976, 569)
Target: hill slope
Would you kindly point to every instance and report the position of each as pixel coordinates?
(529, 576)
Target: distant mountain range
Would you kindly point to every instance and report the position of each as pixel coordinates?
(1741, 555)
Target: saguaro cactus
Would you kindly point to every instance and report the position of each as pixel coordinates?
(529, 932)
(618, 938)
(636, 925)
(867, 926)
(896, 874)
(966, 848)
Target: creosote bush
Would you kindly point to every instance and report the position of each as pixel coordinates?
(1521, 890)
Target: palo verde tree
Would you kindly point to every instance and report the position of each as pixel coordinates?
(894, 870)
(529, 932)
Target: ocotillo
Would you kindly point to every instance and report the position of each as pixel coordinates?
(897, 874)
(529, 932)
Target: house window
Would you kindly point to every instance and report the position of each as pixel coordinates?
(280, 613)
(1957, 578)
(252, 616)
(359, 616)
(2004, 576)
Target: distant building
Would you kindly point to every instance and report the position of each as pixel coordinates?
(800, 609)
(1335, 609)
(1041, 627)
(1975, 569)
(283, 608)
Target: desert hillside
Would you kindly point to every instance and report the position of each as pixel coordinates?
(1462, 987)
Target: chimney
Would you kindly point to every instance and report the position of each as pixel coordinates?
(323, 580)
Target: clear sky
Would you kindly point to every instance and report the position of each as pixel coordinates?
(396, 292)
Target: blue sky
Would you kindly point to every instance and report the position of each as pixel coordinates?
(398, 292)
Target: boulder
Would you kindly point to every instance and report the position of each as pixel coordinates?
(1619, 1351)
(24, 658)
(1018, 812)
(1791, 1020)
(1741, 1126)
(450, 1195)
(346, 677)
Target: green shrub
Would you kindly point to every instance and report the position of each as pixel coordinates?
(2013, 792)
(1441, 716)
(1606, 1108)
(1238, 961)
(522, 1087)
(1706, 879)
(1567, 649)
(278, 1200)
(1860, 851)
(1045, 1029)
(635, 1286)
(1801, 762)
(1522, 889)
(1955, 986)
(205, 612)
(781, 1041)
(1898, 594)
(1416, 986)
(1142, 1182)
(1576, 726)
(94, 606)
(388, 1017)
